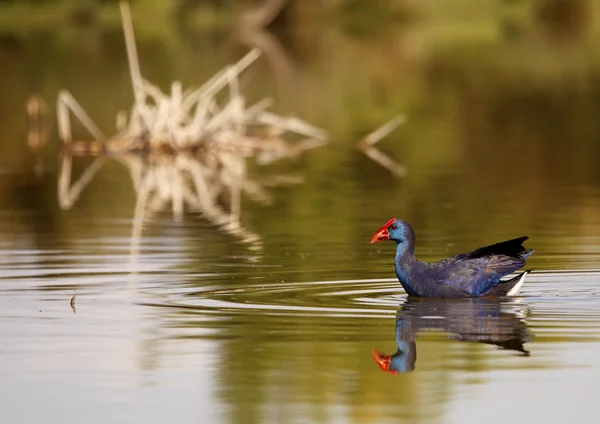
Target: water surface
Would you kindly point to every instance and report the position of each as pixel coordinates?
(198, 322)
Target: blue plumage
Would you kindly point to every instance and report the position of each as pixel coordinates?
(472, 274)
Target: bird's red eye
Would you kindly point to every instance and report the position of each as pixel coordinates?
(393, 227)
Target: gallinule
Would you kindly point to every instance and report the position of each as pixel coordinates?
(472, 274)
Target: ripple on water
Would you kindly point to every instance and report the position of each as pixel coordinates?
(557, 301)
(560, 303)
(368, 298)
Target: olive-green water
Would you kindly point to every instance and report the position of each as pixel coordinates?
(277, 322)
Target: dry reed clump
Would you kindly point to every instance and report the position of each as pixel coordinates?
(194, 146)
(189, 148)
(185, 120)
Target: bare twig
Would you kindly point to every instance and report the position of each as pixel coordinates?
(132, 57)
(384, 130)
(366, 145)
(67, 102)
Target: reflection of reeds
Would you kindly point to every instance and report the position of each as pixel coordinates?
(187, 182)
(367, 146)
(211, 185)
(187, 149)
(67, 193)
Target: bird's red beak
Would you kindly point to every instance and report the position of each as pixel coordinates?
(383, 233)
(383, 361)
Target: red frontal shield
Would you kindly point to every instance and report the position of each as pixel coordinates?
(383, 233)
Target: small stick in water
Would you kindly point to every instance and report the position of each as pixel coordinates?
(73, 302)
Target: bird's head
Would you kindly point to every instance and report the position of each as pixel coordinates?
(398, 363)
(397, 230)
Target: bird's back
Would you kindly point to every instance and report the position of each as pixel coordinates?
(475, 273)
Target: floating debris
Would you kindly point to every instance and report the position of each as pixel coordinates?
(73, 302)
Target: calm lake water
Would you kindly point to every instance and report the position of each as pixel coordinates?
(280, 320)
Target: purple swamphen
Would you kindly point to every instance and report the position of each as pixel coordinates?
(473, 274)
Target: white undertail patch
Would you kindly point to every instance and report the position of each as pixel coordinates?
(515, 290)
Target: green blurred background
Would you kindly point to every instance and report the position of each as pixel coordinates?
(501, 98)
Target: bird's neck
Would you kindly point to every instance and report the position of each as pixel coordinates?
(406, 356)
(405, 254)
(405, 266)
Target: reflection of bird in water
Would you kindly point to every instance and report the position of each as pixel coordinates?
(491, 321)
